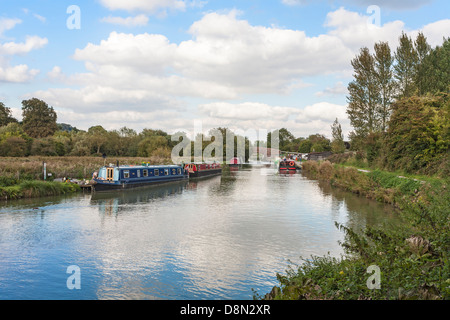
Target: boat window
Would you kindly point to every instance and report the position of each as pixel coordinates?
(126, 174)
(145, 173)
(179, 171)
(174, 171)
(109, 173)
(138, 173)
(102, 173)
(156, 172)
(166, 172)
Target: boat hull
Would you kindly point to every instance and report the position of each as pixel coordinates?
(117, 186)
(205, 173)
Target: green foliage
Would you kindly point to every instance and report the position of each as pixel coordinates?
(405, 67)
(5, 115)
(33, 188)
(434, 73)
(149, 145)
(413, 256)
(305, 146)
(39, 120)
(418, 134)
(337, 144)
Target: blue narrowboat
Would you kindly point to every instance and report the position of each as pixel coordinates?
(111, 177)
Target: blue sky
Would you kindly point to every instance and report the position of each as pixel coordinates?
(164, 64)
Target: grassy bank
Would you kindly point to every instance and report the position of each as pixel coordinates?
(413, 258)
(33, 189)
(31, 168)
(23, 177)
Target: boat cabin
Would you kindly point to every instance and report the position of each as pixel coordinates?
(129, 173)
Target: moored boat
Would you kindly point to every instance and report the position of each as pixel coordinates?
(235, 163)
(287, 166)
(112, 177)
(200, 170)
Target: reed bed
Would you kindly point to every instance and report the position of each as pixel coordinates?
(14, 170)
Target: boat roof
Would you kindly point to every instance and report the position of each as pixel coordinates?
(142, 167)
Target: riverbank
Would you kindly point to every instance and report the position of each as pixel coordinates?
(413, 258)
(34, 189)
(23, 177)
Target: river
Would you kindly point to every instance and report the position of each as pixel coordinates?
(218, 238)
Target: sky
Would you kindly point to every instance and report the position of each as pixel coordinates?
(247, 65)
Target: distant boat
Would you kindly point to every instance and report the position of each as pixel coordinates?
(111, 177)
(235, 162)
(287, 166)
(200, 170)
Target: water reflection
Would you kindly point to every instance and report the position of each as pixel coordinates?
(215, 238)
(111, 203)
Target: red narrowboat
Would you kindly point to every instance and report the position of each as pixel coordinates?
(200, 170)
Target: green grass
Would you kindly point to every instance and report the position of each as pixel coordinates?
(34, 188)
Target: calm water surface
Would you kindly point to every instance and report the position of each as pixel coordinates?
(213, 239)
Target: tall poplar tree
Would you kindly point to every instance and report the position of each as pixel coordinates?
(423, 49)
(337, 143)
(364, 95)
(384, 73)
(405, 66)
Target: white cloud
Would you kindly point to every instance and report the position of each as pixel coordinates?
(226, 60)
(388, 4)
(294, 2)
(40, 18)
(139, 20)
(8, 24)
(18, 73)
(316, 118)
(338, 89)
(247, 111)
(435, 32)
(323, 111)
(356, 30)
(144, 6)
(31, 43)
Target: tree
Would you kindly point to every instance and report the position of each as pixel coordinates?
(39, 120)
(14, 142)
(319, 143)
(436, 66)
(419, 133)
(364, 95)
(5, 115)
(305, 146)
(423, 49)
(97, 138)
(405, 66)
(14, 147)
(337, 144)
(384, 74)
(148, 146)
(285, 137)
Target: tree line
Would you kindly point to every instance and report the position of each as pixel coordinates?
(398, 105)
(39, 134)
